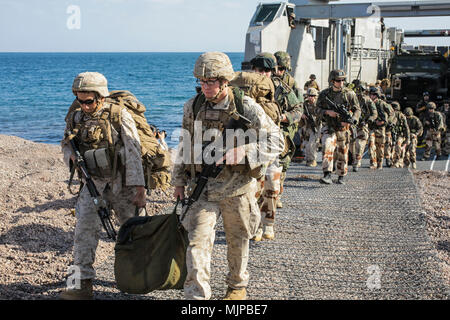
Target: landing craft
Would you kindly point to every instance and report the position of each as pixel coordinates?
(326, 36)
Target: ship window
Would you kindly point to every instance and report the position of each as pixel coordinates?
(321, 35)
(266, 13)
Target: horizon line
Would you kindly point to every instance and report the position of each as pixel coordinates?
(115, 51)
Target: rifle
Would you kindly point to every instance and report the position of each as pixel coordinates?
(311, 119)
(212, 170)
(100, 204)
(344, 114)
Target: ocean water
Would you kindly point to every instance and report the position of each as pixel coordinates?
(35, 88)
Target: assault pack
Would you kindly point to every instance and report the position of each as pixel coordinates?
(156, 161)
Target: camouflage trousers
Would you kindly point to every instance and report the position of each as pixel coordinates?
(446, 148)
(388, 145)
(410, 152)
(338, 141)
(376, 146)
(241, 218)
(311, 144)
(268, 193)
(358, 145)
(399, 152)
(89, 226)
(433, 138)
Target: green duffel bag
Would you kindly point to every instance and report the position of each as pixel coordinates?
(150, 254)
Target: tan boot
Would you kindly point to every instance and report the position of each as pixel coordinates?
(84, 293)
(268, 233)
(258, 235)
(236, 294)
(312, 164)
(279, 204)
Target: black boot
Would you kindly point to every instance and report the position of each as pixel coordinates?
(388, 163)
(341, 180)
(326, 178)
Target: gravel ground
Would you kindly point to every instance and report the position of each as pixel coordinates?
(434, 190)
(321, 251)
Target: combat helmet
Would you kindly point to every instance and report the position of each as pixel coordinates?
(312, 92)
(214, 65)
(265, 60)
(409, 111)
(375, 91)
(431, 105)
(90, 82)
(336, 75)
(396, 106)
(283, 59)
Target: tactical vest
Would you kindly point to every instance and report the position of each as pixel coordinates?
(94, 134)
(366, 111)
(339, 98)
(216, 119)
(286, 99)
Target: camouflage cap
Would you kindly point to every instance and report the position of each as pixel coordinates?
(426, 93)
(431, 105)
(265, 60)
(283, 59)
(214, 65)
(409, 111)
(312, 92)
(90, 82)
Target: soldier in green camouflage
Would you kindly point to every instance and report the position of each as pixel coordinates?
(311, 128)
(377, 129)
(401, 136)
(368, 115)
(416, 130)
(445, 111)
(434, 124)
(291, 111)
(388, 142)
(284, 69)
(336, 132)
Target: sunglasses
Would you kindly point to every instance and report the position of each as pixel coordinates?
(207, 82)
(258, 69)
(87, 102)
(339, 80)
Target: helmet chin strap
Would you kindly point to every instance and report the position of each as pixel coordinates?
(223, 86)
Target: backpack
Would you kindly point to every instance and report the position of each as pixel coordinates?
(156, 161)
(261, 89)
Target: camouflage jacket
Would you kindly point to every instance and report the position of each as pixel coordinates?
(384, 110)
(345, 97)
(230, 182)
(290, 81)
(312, 108)
(401, 127)
(368, 110)
(421, 107)
(130, 150)
(414, 125)
(311, 84)
(433, 120)
(290, 105)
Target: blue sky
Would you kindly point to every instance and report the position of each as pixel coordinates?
(144, 25)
